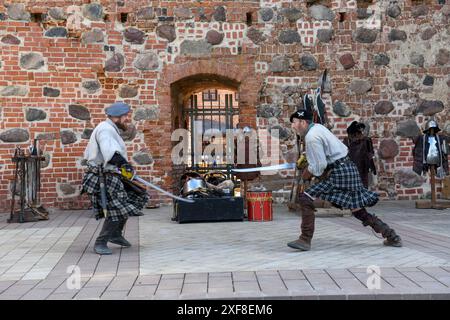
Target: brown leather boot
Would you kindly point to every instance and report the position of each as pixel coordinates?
(368, 219)
(307, 209)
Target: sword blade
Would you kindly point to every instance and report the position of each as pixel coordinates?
(284, 166)
(151, 185)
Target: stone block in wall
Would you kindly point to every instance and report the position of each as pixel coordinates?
(34, 114)
(397, 35)
(383, 107)
(93, 11)
(365, 35)
(407, 129)
(401, 85)
(320, 12)
(68, 137)
(145, 13)
(14, 90)
(195, 48)
(428, 33)
(17, 11)
(341, 109)
(266, 14)
(308, 62)
(388, 149)
(289, 37)
(419, 11)
(91, 86)
(255, 35)
(67, 190)
(134, 36)
(443, 57)
(408, 178)
(325, 35)
(268, 111)
(56, 32)
(79, 112)
(128, 91)
(47, 136)
(166, 31)
(10, 39)
(57, 13)
(50, 92)
(428, 81)
(14, 135)
(280, 132)
(214, 37)
(115, 63)
(291, 14)
(183, 13)
(31, 61)
(347, 61)
(381, 59)
(92, 36)
(143, 158)
(430, 107)
(148, 113)
(147, 61)
(360, 86)
(220, 14)
(87, 132)
(393, 10)
(279, 64)
(417, 59)
(129, 134)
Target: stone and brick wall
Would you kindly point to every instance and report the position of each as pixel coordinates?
(63, 61)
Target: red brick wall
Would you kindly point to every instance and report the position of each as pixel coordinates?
(244, 59)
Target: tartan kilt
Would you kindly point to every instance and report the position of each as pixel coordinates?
(120, 202)
(343, 188)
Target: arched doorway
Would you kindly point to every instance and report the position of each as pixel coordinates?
(203, 104)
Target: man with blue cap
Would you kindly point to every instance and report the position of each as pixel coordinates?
(105, 153)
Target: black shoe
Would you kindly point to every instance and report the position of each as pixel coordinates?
(300, 245)
(121, 241)
(395, 241)
(108, 229)
(102, 248)
(117, 235)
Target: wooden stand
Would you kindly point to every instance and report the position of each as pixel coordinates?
(27, 172)
(433, 204)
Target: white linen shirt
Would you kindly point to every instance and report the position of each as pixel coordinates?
(322, 148)
(105, 140)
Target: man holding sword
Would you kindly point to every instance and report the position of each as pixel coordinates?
(340, 182)
(113, 196)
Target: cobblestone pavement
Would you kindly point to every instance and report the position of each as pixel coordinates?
(228, 260)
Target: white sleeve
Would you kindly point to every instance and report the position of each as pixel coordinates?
(315, 154)
(108, 145)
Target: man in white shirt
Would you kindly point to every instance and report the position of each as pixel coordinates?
(340, 182)
(106, 152)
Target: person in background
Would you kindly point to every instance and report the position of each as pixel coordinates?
(360, 150)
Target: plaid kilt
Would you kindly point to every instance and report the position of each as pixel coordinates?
(343, 187)
(121, 201)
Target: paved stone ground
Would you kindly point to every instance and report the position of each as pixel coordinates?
(229, 260)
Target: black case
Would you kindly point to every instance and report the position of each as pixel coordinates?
(209, 209)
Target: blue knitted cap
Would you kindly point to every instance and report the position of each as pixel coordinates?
(118, 109)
